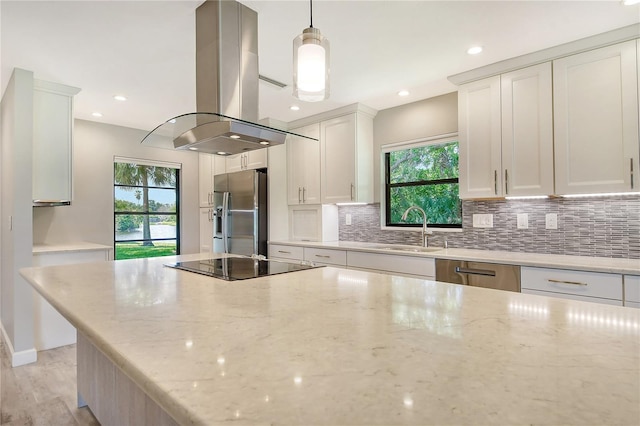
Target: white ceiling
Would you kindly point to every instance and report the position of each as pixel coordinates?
(146, 49)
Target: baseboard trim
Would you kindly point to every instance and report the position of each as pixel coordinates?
(18, 358)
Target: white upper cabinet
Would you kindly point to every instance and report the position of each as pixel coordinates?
(346, 159)
(205, 179)
(52, 141)
(479, 139)
(506, 134)
(527, 131)
(256, 159)
(596, 120)
(303, 166)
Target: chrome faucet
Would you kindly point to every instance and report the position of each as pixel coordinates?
(425, 231)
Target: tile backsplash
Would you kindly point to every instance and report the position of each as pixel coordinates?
(594, 226)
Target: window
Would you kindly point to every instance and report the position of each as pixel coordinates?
(146, 209)
(423, 175)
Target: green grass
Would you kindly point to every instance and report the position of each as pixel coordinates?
(137, 250)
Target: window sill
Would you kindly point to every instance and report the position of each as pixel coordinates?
(434, 229)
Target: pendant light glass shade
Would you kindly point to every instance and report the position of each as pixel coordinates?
(311, 66)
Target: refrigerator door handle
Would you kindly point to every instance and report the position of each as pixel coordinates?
(225, 221)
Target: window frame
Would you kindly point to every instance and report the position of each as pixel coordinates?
(178, 170)
(385, 189)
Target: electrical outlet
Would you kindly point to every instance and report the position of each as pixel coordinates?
(523, 221)
(551, 221)
(347, 219)
(483, 221)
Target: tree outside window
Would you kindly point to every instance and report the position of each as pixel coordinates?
(424, 176)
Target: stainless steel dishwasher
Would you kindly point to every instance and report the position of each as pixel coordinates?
(479, 274)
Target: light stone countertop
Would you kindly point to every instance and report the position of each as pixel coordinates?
(581, 263)
(334, 346)
(69, 247)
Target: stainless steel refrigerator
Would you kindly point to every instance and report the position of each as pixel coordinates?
(240, 214)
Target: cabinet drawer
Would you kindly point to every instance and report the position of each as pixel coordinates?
(574, 297)
(579, 283)
(412, 265)
(327, 256)
(631, 289)
(286, 252)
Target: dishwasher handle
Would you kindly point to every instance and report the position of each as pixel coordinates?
(472, 271)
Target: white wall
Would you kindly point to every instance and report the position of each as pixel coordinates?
(90, 215)
(16, 215)
(278, 204)
(429, 117)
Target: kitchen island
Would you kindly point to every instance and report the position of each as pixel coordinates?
(336, 346)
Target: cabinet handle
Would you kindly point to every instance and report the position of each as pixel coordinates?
(352, 188)
(565, 282)
(631, 171)
(284, 252)
(304, 190)
(323, 256)
(506, 182)
(210, 214)
(299, 199)
(495, 181)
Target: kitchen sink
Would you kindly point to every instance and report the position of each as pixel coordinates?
(410, 249)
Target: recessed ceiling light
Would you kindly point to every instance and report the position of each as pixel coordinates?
(96, 114)
(403, 93)
(234, 137)
(474, 50)
(264, 143)
(294, 108)
(120, 98)
(222, 153)
(193, 148)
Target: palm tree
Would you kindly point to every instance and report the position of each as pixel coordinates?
(138, 175)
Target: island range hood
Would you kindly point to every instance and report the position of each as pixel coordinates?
(226, 87)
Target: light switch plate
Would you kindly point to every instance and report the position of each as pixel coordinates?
(483, 221)
(551, 221)
(523, 220)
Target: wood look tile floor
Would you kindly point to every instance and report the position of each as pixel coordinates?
(42, 393)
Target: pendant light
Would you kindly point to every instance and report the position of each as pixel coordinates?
(311, 64)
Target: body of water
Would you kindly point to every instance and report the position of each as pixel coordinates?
(157, 231)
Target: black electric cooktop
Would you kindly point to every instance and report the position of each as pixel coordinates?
(238, 268)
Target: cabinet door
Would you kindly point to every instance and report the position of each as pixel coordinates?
(52, 141)
(206, 230)
(338, 159)
(219, 165)
(235, 163)
(595, 97)
(527, 131)
(303, 166)
(256, 159)
(205, 179)
(479, 138)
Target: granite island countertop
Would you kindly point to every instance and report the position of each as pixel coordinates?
(581, 263)
(334, 346)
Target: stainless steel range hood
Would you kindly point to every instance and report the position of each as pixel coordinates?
(226, 87)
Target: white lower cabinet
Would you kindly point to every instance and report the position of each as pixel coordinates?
(283, 252)
(322, 256)
(52, 330)
(403, 265)
(206, 230)
(632, 291)
(597, 287)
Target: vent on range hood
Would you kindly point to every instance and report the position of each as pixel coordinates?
(226, 87)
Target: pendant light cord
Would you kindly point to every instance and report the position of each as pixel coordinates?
(311, 12)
